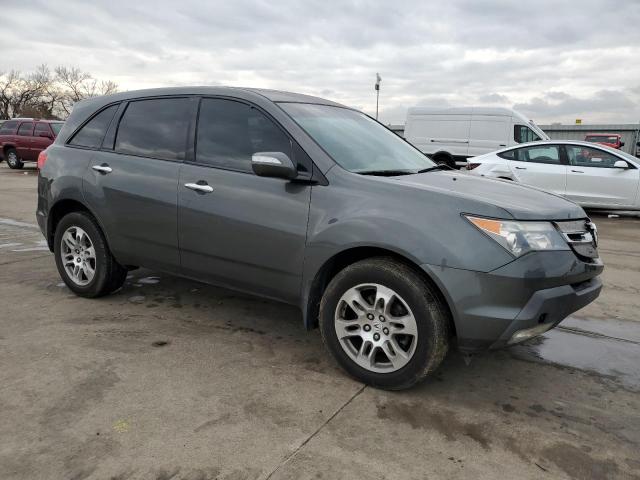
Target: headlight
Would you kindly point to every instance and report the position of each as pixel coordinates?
(521, 237)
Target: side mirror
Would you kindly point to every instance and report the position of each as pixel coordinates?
(273, 164)
(621, 164)
(622, 144)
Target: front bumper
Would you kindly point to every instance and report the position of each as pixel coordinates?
(538, 290)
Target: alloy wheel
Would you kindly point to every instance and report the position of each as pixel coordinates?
(376, 328)
(78, 255)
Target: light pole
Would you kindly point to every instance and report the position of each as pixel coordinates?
(378, 80)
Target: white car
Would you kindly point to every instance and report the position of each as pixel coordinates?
(594, 176)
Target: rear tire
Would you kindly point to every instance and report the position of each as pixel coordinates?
(13, 160)
(445, 160)
(83, 257)
(379, 303)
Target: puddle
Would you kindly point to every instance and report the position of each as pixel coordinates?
(609, 348)
(149, 280)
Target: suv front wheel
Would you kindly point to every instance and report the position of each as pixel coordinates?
(83, 257)
(384, 323)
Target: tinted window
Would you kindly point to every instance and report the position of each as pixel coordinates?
(156, 128)
(92, 133)
(8, 128)
(41, 128)
(25, 129)
(601, 139)
(523, 134)
(229, 133)
(509, 154)
(549, 154)
(590, 157)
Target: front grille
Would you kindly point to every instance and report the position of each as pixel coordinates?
(581, 235)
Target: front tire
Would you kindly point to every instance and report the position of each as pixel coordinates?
(83, 258)
(13, 160)
(384, 323)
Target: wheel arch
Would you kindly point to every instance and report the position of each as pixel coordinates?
(60, 209)
(333, 265)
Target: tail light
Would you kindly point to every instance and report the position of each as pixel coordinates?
(42, 158)
(471, 166)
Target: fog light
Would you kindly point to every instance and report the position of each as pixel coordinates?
(527, 333)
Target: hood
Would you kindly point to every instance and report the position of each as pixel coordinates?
(520, 201)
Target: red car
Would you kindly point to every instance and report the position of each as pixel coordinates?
(613, 140)
(22, 139)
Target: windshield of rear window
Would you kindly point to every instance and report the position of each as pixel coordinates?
(56, 128)
(356, 142)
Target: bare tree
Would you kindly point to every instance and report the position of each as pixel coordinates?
(48, 94)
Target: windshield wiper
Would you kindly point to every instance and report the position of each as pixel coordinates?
(386, 173)
(440, 166)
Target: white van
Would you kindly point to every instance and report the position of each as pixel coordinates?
(451, 135)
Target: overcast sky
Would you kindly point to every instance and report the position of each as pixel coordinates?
(555, 61)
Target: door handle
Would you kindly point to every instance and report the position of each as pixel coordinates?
(521, 168)
(577, 171)
(102, 168)
(199, 188)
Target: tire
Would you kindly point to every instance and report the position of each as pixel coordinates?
(12, 159)
(445, 160)
(412, 294)
(91, 252)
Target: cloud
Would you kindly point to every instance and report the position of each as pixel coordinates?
(446, 53)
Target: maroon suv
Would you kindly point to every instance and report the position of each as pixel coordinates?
(22, 139)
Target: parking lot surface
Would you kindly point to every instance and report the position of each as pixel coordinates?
(173, 379)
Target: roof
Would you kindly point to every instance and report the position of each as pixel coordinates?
(272, 95)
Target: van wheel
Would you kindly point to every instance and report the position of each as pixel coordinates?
(445, 160)
(83, 258)
(384, 324)
(13, 160)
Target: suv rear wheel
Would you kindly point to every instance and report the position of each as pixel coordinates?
(384, 324)
(83, 258)
(13, 160)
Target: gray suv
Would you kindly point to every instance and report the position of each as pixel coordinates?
(308, 202)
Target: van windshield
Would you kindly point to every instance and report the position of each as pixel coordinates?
(356, 142)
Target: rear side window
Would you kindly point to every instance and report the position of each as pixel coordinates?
(549, 154)
(523, 134)
(92, 133)
(8, 128)
(509, 154)
(230, 132)
(25, 129)
(41, 128)
(156, 128)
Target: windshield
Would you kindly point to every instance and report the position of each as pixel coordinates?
(601, 138)
(356, 142)
(56, 127)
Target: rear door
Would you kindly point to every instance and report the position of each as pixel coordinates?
(541, 166)
(42, 138)
(593, 181)
(488, 133)
(238, 229)
(24, 138)
(132, 181)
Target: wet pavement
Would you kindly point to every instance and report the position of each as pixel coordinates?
(170, 378)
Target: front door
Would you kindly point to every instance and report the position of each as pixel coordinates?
(540, 166)
(236, 228)
(593, 181)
